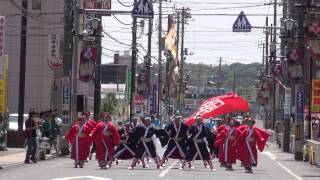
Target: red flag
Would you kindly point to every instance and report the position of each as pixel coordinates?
(219, 105)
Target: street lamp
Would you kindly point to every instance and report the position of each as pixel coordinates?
(95, 25)
(289, 24)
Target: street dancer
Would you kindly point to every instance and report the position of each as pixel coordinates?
(251, 138)
(78, 136)
(177, 146)
(125, 150)
(197, 146)
(229, 139)
(144, 135)
(106, 137)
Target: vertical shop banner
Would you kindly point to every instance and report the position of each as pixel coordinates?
(315, 99)
(299, 105)
(142, 82)
(3, 85)
(66, 100)
(287, 103)
(65, 94)
(153, 100)
(55, 61)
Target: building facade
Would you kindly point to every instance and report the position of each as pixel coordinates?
(43, 21)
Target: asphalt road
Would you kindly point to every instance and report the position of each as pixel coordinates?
(273, 165)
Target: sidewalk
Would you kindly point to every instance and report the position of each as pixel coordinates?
(15, 156)
(303, 169)
(11, 157)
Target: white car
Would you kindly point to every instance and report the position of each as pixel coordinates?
(13, 121)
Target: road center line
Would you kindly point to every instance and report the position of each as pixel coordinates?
(273, 157)
(164, 172)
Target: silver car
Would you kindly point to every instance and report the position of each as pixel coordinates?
(13, 121)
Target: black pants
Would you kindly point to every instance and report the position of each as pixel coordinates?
(32, 148)
(93, 148)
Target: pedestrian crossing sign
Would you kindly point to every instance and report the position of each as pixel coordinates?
(143, 9)
(241, 24)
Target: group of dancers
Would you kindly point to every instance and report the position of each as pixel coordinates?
(229, 141)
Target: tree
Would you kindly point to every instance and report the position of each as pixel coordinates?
(109, 103)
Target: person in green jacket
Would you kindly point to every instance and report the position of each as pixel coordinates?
(50, 129)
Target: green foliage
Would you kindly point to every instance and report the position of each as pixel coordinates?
(245, 76)
(109, 104)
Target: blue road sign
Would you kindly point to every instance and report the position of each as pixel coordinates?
(241, 24)
(143, 9)
(138, 110)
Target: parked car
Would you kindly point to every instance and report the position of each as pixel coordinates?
(13, 121)
(15, 138)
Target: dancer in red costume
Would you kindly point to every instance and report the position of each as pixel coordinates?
(106, 137)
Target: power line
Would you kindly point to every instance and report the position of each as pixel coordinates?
(116, 39)
(122, 3)
(126, 24)
(234, 7)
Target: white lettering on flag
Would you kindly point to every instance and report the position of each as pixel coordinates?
(209, 106)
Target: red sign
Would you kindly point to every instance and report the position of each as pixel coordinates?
(90, 4)
(98, 4)
(138, 100)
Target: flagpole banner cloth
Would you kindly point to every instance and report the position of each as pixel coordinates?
(219, 105)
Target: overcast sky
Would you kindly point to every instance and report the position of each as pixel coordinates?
(208, 35)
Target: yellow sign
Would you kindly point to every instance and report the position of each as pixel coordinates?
(315, 104)
(3, 86)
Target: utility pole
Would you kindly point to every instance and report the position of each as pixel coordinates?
(234, 81)
(182, 59)
(97, 82)
(75, 59)
(274, 63)
(267, 47)
(266, 120)
(263, 55)
(300, 91)
(133, 65)
(286, 119)
(23, 53)
(159, 60)
(148, 64)
(219, 78)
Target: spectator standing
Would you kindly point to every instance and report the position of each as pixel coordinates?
(31, 135)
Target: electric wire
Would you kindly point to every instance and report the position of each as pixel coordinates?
(125, 4)
(126, 24)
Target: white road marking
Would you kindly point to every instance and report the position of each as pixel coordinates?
(164, 172)
(45, 168)
(274, 158)
(82, 177)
